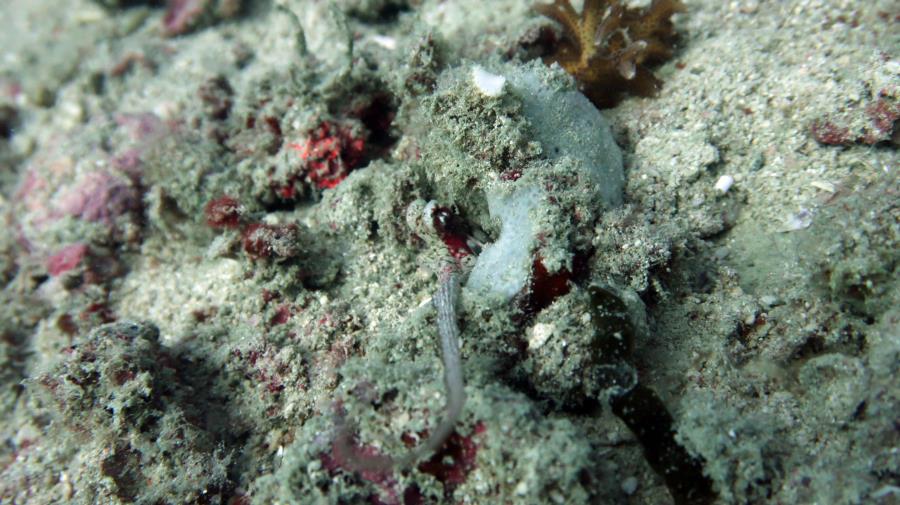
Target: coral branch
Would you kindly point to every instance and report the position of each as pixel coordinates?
(606, 46)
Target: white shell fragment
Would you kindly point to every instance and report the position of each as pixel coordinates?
(823, 185)
(539, 335)
(487, 83)
(799, 221)
(724, 183)
(384, 41)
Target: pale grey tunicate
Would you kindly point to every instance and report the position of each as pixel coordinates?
(567, 125)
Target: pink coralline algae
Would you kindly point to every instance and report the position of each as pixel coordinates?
(883, 114)
(100, 197)
(450, 465)
(329, 154)
(347, 454)
(72, 183)
(145, 131)
(146, 127)
(267, 369)
(873, 125)
(184, 15)
(66, 259)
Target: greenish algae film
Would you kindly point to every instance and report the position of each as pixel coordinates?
(225, 222)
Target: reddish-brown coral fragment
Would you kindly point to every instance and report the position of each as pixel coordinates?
(452, 231)
(349, 455)
(873, 125)
(277, 241)
(452, 464)
(546, 287)
(282, 314)
(223, 212)
(607, 45)
(828, 133)
(884, 114)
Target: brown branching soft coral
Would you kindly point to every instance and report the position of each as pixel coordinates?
(607, 46)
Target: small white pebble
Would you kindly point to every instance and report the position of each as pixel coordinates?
(385, 41)
(824, 186)
(68, 489)
(769, 300)
(892, 66)
(629, 485)
(487, 83)
(724, 183)
(71, 114)
(87, 16)
(521, 488)
(539, 335)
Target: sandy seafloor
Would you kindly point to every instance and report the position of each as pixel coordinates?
(281, 346)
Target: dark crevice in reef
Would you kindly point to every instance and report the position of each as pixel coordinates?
(635, 404)
(206, 405)
(646, 416)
